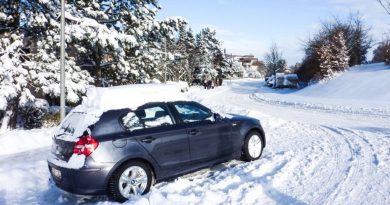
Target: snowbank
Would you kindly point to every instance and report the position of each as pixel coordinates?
(363, 88)
(17, 141)
(365, 82)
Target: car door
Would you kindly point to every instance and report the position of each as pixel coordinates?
(156, 130)
(209, 139)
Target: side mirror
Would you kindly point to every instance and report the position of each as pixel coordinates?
(217, 117)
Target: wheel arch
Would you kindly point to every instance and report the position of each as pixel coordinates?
(259, 130)
(121, 163)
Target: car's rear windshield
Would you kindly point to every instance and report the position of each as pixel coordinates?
(75, 124)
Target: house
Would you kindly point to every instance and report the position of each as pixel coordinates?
(247, 61)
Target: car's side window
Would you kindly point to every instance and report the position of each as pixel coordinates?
(132, 122)
(149, 117)
(193, 113)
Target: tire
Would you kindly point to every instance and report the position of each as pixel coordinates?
(253, 146)
(127, 178)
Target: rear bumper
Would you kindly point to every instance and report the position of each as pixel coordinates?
(84, 181)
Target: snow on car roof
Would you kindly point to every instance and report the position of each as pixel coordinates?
(131, 96)
(99, 100)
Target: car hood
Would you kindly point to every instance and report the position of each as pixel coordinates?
(236, 117)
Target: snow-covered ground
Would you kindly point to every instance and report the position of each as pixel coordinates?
(363, 89)
(320, 150)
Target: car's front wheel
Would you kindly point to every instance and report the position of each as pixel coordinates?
(132, 178)
(253, 146)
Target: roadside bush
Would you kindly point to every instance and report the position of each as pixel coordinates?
(32, 113)
(51, 120)
(382, 52)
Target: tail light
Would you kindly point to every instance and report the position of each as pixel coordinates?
(85, 145)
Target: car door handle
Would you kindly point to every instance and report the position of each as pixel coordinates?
(193, 132)
(147, 140)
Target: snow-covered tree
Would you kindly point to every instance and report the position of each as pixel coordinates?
(14, 81)
(185, 55)
(235, 68)
(45, 47)
(333, 55)
(122, 42)
(175, 62)
(190, 51)
(13, 71)
(29, 64)
(207, 50)
(108, 42)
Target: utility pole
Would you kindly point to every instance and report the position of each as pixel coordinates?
(62, 63)
(165, 64)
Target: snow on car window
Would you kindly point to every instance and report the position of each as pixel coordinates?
(132, 122)
(156, 116)
(185, 109)
(147, 118)
(151, 112)
(165, 120)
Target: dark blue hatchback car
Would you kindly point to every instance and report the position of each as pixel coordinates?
(126, 151)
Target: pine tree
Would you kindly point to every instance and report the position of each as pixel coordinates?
(325, 59)
(13, 71)
(43, 39)
(333, 55)
(175, 60)
(209, 56)
(189, 42)
(121, 41)
(340, 52)
(107, 43)
(29, 65)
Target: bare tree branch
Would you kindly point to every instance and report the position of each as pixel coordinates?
(383, 4)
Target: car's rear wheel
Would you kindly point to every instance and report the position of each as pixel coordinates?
(253, 146)
(132, 178)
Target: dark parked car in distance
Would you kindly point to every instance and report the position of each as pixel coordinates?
(126, 151)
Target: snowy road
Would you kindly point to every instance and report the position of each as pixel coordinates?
(313, 156)
(332, 156)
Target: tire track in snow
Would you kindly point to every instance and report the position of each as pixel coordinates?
(346, 168)
(294, 171)
(366, 174)
(322, 107)
(349, 155)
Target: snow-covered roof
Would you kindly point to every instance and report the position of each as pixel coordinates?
(131, 96)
